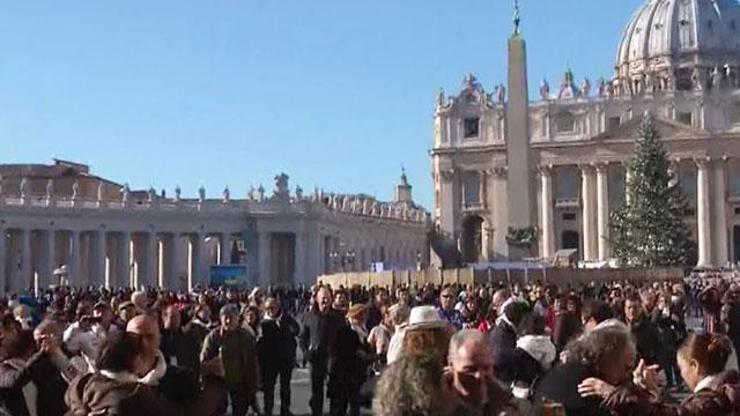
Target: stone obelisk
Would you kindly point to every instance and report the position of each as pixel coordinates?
(520, 206)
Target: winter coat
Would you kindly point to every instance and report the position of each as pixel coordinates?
(646, 340)
(246, 354)
(503, 341)
(180, 348)
(560, 385)
(44, 379)
(720, 398)
(318, 335)
(567, 327)
(348, 367)
(98, 395)
(277, 346)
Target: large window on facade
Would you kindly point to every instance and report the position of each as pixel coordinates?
(734, 175)
(568, 182)
(617, 188)
(471, 189)
(565, 122)
(687, 178)
(471, 127)
(685, 118)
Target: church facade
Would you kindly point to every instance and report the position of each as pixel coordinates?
(509, 170)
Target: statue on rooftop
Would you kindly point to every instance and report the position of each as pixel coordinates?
(49, 189)
(125, 193)
(226, 194)
(545, 89)
(178, 193)
(75, 190)
(281, 185)
(585, 87)
(202, 193)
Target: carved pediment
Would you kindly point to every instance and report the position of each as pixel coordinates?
(668, 129)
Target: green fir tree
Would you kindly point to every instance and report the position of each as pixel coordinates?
(648, 230)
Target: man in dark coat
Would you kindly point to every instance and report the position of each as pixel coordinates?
(503, 339)
(645, 332)
(277, 352)
(179, 347)
(175, 382)
(318, 339)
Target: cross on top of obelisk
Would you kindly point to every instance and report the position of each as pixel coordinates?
(517, 17)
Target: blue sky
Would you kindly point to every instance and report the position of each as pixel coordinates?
(336, 93)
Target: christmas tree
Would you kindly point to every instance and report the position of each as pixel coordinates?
(648, 230)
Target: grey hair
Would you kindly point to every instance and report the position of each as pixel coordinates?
(465, 337)
(601, 344)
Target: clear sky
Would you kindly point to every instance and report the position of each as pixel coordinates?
(336, 93)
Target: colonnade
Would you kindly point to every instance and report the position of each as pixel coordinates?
(173, 260)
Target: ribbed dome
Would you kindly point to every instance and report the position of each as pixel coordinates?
(676, 36)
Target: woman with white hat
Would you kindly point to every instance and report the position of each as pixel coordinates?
(425, 332)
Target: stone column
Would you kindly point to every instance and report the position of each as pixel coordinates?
(447, 201)
(546, 213)
(203, 267)
(3, 260)
(627, 178)
(703, 221)
(589, 214)
(720, 236)
(263, 251)
(300, 273)
(123, 277)
(100, 257)
(224, 252)
(75, 271)
(152, 259)
(47, 274)
(23, 277)
(602, 212)
(177, 268)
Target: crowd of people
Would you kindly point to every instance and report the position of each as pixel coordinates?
(617, 348)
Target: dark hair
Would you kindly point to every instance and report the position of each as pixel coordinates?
(119, 352)
(18, 344)
(711, 351)
(633, 297)
(9, 322)
(597, 310)
(532, 324)
(515, 311)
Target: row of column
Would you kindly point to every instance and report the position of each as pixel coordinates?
(114, 259)
(711, 186)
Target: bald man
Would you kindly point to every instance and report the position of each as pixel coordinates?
(472, 378)
(177, 383)
(174, 382)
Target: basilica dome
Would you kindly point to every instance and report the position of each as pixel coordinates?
(677, 44)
